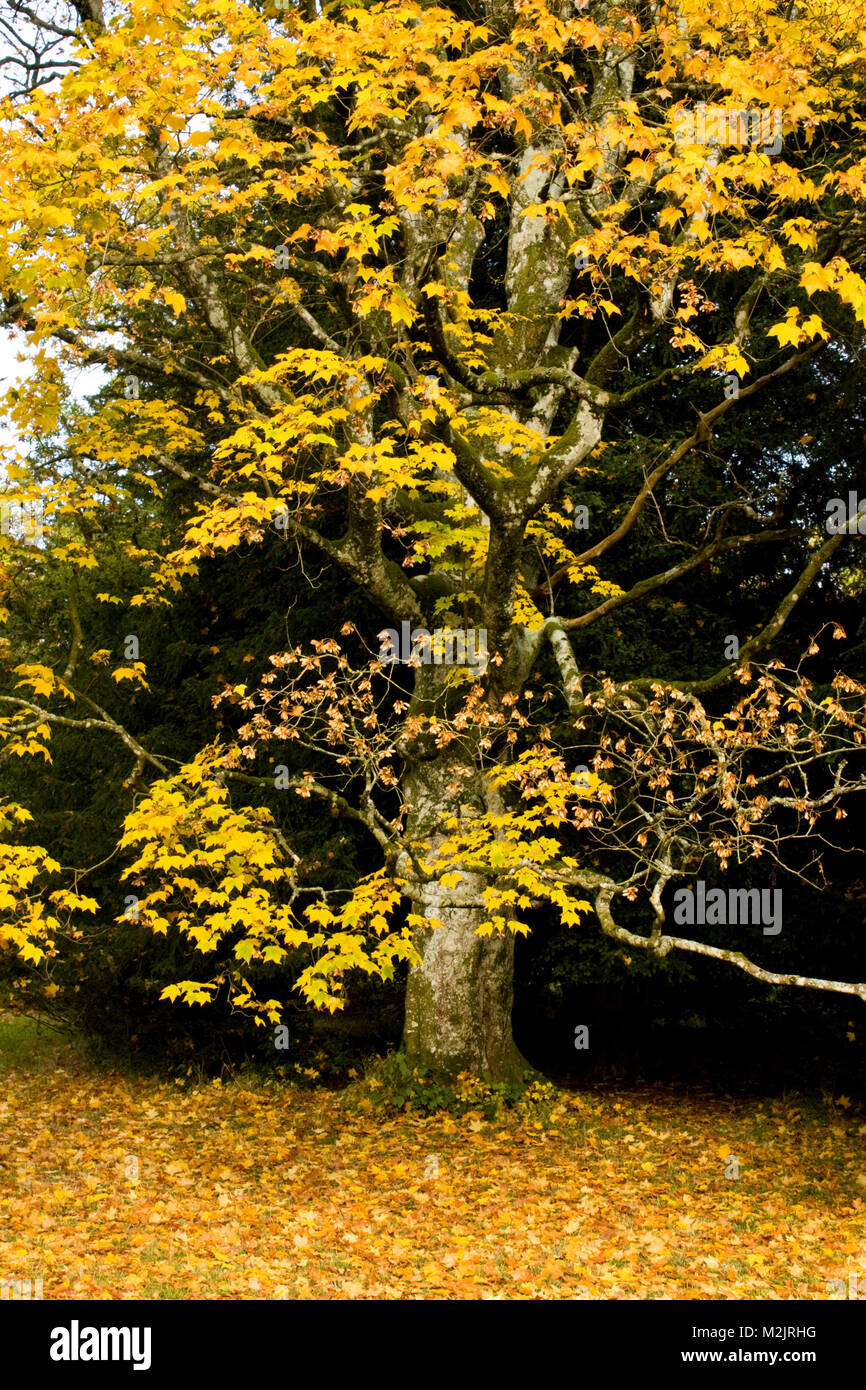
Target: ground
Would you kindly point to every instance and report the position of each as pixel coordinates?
(116, 1186)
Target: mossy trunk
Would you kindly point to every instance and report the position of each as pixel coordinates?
(459, 998)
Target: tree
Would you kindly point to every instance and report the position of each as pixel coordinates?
(435, 293)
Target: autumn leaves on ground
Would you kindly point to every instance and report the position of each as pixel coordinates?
(114, 1187)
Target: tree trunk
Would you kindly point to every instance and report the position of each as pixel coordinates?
(459, 998)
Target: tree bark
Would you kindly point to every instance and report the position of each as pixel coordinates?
(459, 997)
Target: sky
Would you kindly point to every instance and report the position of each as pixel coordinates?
(15, 31)
(12, 371)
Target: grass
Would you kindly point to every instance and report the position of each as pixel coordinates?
(28, 1042)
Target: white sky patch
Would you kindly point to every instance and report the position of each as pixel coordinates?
(12, 372)
(82, 382)
(18, 36)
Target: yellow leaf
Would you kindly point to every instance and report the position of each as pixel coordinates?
(498, 184)
(175, 300)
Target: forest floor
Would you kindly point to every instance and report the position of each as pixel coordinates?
(115, 1186)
